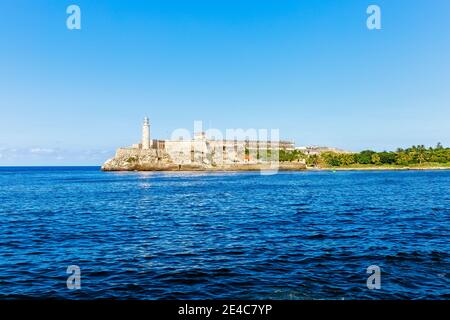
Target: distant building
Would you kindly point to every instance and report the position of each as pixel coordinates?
(316, 150)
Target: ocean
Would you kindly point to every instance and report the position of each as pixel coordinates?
(293, 235)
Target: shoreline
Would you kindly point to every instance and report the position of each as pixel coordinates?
(238, 169)
(197, 168)
(281, 168)
(377, 168)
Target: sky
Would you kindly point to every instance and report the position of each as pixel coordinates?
(311, 69)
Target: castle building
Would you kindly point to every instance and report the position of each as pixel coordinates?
(203, 150)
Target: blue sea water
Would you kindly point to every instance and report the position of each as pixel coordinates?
(303, 235)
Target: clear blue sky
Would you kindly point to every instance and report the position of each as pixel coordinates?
(310, 68)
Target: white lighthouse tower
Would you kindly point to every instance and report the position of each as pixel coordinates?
(146, 134)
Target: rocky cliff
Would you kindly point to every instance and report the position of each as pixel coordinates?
(129, 159)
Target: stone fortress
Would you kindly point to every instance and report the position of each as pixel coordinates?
(199, 153)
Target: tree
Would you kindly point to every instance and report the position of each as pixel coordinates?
(387, 157)
(364, 157)
(331, 159)
(403, 158)
(421, 154)
(346, 159)
(376, 159)
(313, 160)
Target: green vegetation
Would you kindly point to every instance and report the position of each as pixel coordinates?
(290, 156)
(131, 159)
(414, 157)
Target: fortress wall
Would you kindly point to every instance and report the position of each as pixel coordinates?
(179, 151)
(203, 151)
(190, 152)
(132, 152)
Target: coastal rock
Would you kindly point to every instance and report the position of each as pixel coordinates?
(132, 159)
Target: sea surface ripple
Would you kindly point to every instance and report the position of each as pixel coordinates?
(304, 235)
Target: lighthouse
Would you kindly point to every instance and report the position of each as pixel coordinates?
(146, 134)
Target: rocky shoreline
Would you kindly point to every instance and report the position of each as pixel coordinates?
(237, 167)
(127, 159)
